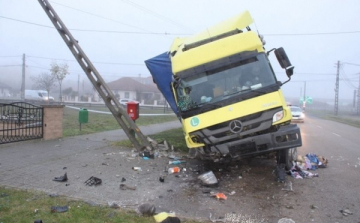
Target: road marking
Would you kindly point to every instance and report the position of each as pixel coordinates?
(319, 126)
(336, 134)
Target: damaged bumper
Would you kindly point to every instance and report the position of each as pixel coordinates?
(286, 137)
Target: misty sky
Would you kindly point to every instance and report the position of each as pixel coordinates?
(119, 35)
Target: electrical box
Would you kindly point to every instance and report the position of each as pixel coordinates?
(133, 110)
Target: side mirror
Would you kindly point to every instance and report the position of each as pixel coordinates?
(289, 71)
(282, 58)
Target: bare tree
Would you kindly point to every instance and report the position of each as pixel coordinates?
(59, 72)
(44, 81)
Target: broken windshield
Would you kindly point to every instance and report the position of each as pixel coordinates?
(224, 82)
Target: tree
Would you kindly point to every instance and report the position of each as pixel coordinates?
(59, 72)
(44, 81)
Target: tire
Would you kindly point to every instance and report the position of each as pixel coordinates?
(287, 156)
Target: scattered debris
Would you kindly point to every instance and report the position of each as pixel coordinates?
(38, 221)
(113, 204)
(311, 161)
(125, 187)
(280, 173)
(105, 164)
(93, 181)
(164, 217)
(232, 193)
(136, 168)
(208, 178)
(162, 179)
(288, 186)
(286, 220)
(63, 178)
(298, 173)
(53, 195)
(59, 209)
(146, 209)
(175, 162)
(123, 179)
(346, 212)
(174, 170)
(219, 196)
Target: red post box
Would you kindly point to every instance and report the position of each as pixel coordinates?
(133, 109)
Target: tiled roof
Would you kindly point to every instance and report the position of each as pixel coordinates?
(129, 84)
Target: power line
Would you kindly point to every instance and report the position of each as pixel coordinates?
(309, 34)
(113, 63)
(351, 64)
(99, 31)
(154, 13)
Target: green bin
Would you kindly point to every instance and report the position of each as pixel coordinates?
(83, 115)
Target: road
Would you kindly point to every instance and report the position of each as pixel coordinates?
(337, 188)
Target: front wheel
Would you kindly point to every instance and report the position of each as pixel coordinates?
(287, 157)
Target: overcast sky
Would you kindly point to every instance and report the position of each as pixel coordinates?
(119, 35)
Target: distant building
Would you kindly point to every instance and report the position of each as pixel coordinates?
(139, 89)
(5, 90)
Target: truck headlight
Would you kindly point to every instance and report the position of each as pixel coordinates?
(278, 116)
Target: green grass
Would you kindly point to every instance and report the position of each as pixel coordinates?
(24, 206)
(104, 122)
(20, 205)
(347, 119)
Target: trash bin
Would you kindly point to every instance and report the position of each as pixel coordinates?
(83, 115)
(133, 110)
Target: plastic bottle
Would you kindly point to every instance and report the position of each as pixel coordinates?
(176, 162)
(174, 170)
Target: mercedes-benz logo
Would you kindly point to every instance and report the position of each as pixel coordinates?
(235, 126)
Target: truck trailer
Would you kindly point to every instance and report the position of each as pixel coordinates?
(222, 87)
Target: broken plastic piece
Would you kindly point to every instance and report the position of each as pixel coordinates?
(136, 168)
(124, 187)
(221, 196)
(93, 181)
(59, 209)
(208, 178)
(63, 178)
(163, 217)
(174, 170)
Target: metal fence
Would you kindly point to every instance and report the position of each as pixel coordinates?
(20, 121)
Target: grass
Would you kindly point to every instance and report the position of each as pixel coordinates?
(98, 122)
(347, 119)
(27, 206)
(23, 206)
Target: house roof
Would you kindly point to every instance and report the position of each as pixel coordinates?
(129, 84)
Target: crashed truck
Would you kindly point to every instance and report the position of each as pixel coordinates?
(222, 87)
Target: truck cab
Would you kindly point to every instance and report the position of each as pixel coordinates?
(227, 95)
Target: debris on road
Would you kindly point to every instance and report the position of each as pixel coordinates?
(219, 196)
(164, 217)
(298, 173)
(63, 178)
(59, 209)
(208, 178)
(136, 168)
(93, 181)
(346, 212)
(125, 187)
(146, 209)
(174, 170)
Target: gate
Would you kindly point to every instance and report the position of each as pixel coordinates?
(20, 121)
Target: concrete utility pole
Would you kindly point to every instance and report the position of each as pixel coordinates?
(336, 105)
(358, 98)
(22, 93)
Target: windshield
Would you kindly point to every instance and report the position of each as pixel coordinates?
(295, 109)
(223, 82)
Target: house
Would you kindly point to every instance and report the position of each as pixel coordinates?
(127, 87)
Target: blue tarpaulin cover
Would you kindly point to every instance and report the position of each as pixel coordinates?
(160, 69)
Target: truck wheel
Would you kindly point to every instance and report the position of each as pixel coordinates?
(287, 156)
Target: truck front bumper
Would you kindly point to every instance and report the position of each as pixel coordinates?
(288, 136)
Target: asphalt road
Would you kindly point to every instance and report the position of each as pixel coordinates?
(250, 186)
(337, 188)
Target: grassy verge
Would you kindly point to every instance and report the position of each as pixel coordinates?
(104, 122)
(347, 119)
(27, 206)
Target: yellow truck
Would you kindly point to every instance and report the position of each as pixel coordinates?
(221, 85)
